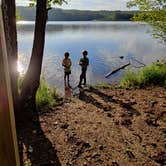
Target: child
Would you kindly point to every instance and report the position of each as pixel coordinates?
(84, 62)
(67, 67)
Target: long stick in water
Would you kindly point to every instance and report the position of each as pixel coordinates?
(138, 61)
(116, 70)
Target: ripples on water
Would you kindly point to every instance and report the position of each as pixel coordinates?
(105, 42)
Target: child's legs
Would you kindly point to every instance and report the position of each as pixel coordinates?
(85, 79)
(84, 76)
(68, 76)
(81, 78)
(65, 76)
(65, 80)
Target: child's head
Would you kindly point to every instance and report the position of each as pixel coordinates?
(84, 53)
(66, 55)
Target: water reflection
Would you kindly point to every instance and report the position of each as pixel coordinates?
(67, 90)
(105, 42)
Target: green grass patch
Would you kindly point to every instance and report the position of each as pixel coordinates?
(103, 85)
(46, 95)
(154, 74)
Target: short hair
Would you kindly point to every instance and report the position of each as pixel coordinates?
(66, 54)
(84, 52)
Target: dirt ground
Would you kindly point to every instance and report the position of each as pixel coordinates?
(102, 127)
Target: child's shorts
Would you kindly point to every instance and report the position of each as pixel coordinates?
(67, 73)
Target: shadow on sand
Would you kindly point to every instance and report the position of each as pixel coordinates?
(107, 98)
(34, 147)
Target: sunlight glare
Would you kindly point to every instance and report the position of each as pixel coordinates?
(20, 68)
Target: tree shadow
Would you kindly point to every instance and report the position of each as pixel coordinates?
(108, 98)
(90, 99)
(34, 147)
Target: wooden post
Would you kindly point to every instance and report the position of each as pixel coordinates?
(9, 155)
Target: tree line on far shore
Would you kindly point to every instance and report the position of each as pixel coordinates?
(56, 14)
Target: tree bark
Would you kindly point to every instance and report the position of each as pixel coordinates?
(9, 17)
(31, 81)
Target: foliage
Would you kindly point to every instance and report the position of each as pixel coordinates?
(56, 14)
(45, 96)
(130, 79)
(154, 74)
(154, 13)
(49, 3)
(18, 15)
(103, 85)
(118, 15)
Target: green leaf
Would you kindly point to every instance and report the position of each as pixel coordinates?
(154, 13)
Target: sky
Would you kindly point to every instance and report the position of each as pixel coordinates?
(88, 4)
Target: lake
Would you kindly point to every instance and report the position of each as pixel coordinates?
(104, 41)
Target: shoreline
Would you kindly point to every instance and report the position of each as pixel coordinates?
(106, 126)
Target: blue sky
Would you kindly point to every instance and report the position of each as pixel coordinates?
(89, 4)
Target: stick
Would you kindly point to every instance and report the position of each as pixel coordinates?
(138, 62)
(116, 70)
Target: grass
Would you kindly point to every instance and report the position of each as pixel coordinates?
(154, 74)
(46, 95)
(103, 85)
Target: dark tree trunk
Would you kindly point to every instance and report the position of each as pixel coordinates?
(31, 81)
(9, 17)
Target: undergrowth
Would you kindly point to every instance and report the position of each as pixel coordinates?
(46, 95)
(154, 74)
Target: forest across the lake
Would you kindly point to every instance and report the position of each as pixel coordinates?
(56, 14)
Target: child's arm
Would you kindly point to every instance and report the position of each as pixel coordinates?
(63, 63)
(70, 63)
(80, 63)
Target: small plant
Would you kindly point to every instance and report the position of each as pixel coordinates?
(154, 74)
(46, 95)
(103, 85)
(129, 80)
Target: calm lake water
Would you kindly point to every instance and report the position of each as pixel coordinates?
(105, 42)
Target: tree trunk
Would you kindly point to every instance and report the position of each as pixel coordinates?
(9, 17)
(31, 81)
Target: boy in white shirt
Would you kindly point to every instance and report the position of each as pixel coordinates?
(67, 67)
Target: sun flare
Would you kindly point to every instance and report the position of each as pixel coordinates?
(20, 68)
